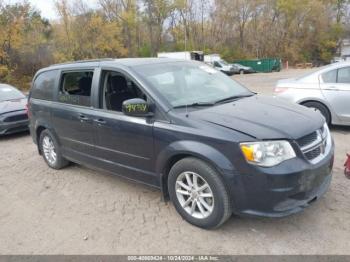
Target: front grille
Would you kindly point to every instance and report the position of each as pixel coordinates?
(306, 140)
(311, 155)
(15, 118)
(313, 145)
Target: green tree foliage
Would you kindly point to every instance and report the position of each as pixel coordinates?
(294, 30)
(24, 42)
(85, 35)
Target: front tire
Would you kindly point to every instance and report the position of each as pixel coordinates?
(320, 108)
(198, 193)
(51, 151)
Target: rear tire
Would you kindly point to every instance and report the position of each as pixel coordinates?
(320, 108)
(206, 208)
(51, 151)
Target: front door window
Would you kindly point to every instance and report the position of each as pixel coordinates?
(117, 88)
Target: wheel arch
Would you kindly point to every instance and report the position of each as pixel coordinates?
(38, 132)
(39, 128)
(184, 149)
(326, 105)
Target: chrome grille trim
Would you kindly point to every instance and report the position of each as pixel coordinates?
(305, 140)
(313, 144)
(317, 148)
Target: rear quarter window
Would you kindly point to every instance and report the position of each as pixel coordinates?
(44, 84)
(75, 88)
(330, 76)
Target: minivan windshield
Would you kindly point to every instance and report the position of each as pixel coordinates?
(191, 83)
(9, 93)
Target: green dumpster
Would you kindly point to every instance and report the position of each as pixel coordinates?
(265, 65)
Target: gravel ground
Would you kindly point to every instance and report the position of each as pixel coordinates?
(80, 211)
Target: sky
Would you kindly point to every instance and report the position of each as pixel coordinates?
(47, 6)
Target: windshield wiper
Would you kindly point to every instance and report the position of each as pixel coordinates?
(196, 104)
(231, 98)
(227, 99)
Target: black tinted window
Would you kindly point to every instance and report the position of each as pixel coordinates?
(76, 88)
(44, 85)
(330, 77)
(217, 64)
(117, 88)
(344, 75)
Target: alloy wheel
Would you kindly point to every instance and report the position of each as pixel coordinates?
(194, 194)
(49, 150)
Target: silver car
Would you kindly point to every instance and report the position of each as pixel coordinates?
(326, 90)
(241, 69)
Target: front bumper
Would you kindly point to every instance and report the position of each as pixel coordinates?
(13, 127)
(283, 190)
(229, 73)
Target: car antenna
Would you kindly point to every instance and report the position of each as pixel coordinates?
(186, 110)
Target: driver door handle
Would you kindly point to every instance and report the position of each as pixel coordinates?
(83, 118)
(100, 121)
(334, 88)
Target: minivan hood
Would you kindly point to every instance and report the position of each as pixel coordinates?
(263, 117)
(12, 105)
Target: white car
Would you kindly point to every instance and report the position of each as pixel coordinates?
(326, 90)
(219, 64)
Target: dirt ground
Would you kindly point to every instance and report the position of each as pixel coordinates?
(80, 211)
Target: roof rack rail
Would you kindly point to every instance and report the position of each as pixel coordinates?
(85, 61)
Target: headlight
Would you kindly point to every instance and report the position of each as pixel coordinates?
(326, 132)
(267, 153)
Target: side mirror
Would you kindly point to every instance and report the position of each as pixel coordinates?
(136, 107)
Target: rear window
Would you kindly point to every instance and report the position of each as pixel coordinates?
(75, 88)
(44, 85)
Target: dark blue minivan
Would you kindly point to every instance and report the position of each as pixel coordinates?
(212, 146)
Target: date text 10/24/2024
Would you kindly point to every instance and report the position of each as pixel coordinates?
(173, 258)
